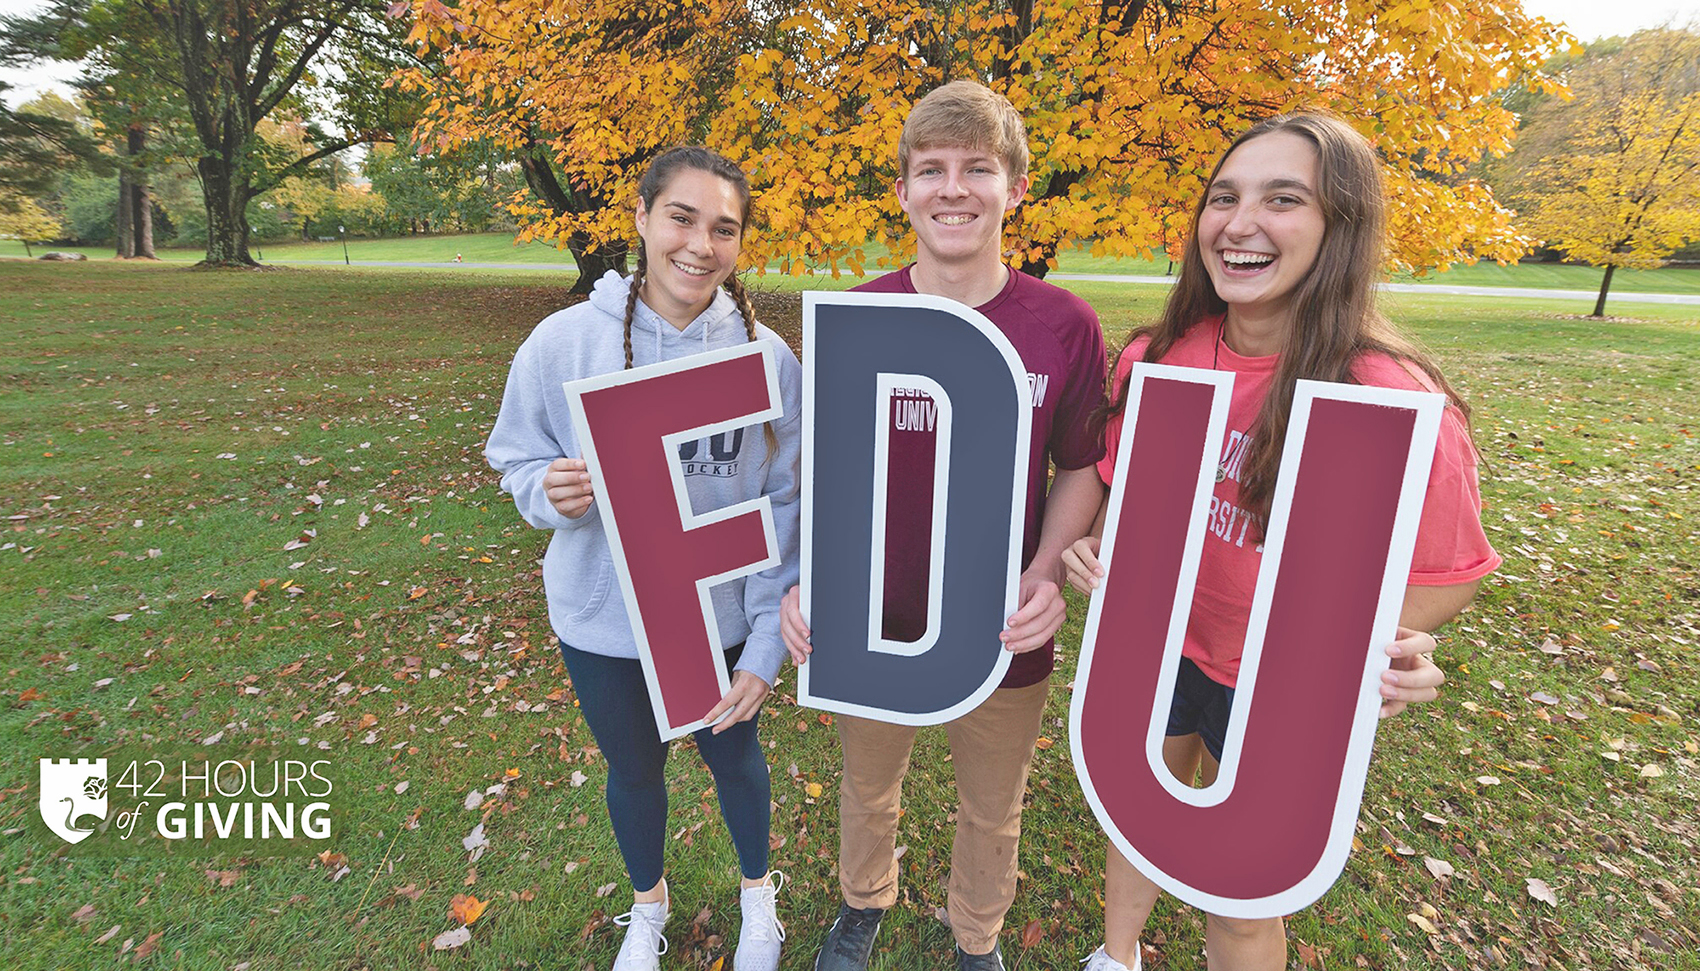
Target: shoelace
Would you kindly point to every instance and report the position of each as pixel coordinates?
(645, 924)
(768, 926)
(857, 935)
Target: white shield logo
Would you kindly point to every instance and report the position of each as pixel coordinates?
(73, 796)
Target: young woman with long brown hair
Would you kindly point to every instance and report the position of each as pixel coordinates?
(1277, 285)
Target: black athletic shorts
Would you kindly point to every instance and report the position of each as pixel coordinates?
(1201, 705)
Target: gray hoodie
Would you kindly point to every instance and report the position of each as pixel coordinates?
(534, 428)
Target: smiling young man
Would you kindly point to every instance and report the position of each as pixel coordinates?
(962, 160)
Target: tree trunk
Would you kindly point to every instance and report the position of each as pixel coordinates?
(141, 217)
(126, 211)
(144, 223)
(591, 266)
(1605, 286)
(540, 176)
(227, 217)
(1041, 266)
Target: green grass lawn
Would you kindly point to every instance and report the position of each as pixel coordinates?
(500, 248)
(168, 435)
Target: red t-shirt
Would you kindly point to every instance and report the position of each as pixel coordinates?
(1060, 343)
(1451, 547)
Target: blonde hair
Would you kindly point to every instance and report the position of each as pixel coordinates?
(965, 114)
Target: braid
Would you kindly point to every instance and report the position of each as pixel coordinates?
(636, 280)
(735, 287)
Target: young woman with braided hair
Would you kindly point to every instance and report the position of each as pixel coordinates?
(681, 299)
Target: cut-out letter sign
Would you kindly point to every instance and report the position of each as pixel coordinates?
(1273, 832)
(916, 419)
(667, 556)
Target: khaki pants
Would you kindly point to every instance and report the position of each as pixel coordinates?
(992, 748)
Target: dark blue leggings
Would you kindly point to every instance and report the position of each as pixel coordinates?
(615, 703)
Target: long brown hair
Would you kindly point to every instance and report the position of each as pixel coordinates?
(1335, 318)
(655, 178)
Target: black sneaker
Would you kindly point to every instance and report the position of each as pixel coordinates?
(991, 961)
(850, 940)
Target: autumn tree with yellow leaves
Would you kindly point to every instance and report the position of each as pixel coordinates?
(1127, 104)
(1611, 175)
(21, 219)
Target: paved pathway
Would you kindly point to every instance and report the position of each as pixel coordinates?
(1588, 295)
(1688, 299)
(1691, 299)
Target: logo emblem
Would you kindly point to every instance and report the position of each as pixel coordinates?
(73, 796)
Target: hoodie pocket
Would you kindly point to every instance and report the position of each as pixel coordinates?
(598, 594)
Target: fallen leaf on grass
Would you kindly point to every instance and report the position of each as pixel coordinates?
(1423, 924)
(1043, 743)
(1651, 772)
(1438, 868)
(410, 891)
(1651, 938)
(1487, 780)
(474, 799)
(467, 908)
(578, 779)
(83, 914)
(814, 790)
(224, 878)
(1539, 890)
(605, 890)
(449, 940)
(475, 843)
(1032, 934)
(149, 946)
(111, 932)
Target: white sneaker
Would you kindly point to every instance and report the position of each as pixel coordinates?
(1100, 960)
(644, 945)
(762, 933)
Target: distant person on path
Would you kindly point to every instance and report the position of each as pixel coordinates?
(1277, 285)
(962, 164)
(682, 299)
